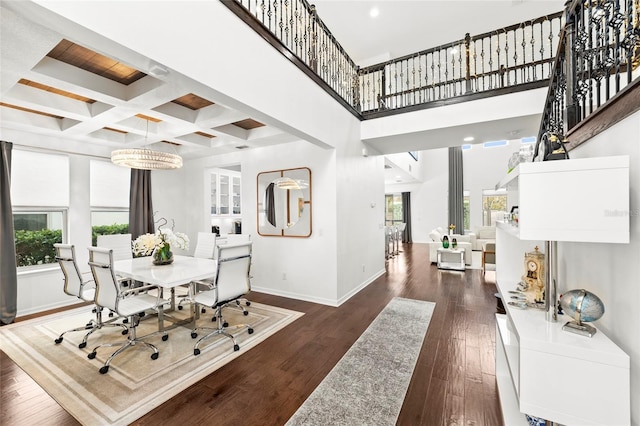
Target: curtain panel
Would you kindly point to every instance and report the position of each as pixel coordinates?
(406, 217)
(8, 271)
(140, 205)
(456, 190)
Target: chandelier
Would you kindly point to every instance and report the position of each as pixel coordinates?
(146, 159)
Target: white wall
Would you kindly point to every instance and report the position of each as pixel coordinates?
(310, 263)
(359, 215)
(612, 271)
(42, 289)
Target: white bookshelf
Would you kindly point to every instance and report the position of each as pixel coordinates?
(542, 370)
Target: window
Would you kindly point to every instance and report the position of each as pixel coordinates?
(466, 205)
(109, 198)
(35, 234)
(494, 206)
(393, 209)
(40, 198)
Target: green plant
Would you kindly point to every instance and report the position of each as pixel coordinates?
(36, 247)
(108, 230)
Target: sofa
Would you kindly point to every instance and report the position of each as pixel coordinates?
(483, 235)
(464, 242)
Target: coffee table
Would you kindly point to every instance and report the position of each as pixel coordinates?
(452, 259)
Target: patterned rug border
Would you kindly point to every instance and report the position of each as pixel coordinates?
(55, 381)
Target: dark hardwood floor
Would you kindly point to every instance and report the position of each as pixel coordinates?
(453, 382)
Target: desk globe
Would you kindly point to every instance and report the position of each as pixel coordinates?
(583, 306)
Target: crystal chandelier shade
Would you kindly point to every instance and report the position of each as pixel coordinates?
(146, 159)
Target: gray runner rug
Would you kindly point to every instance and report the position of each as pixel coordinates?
(369, 383)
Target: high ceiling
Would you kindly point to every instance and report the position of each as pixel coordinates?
(52, 86)
(402, 27)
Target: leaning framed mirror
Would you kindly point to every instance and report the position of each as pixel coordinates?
(284, 203)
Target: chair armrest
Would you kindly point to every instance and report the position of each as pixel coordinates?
(139, 289)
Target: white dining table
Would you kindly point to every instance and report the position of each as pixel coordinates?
(183, 271)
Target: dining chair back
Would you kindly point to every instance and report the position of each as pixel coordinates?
(74, 285)
(119, 243)
(232, 279)
(205, 245)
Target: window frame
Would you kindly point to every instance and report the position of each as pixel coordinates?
(40, 209)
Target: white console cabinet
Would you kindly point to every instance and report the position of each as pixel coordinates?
(542, 370)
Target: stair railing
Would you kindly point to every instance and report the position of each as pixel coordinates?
(598, 56)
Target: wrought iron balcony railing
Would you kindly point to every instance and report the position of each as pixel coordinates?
(519, 55)
(598, 56)
(514, 58)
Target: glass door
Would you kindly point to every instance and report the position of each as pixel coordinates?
(236, 194)
(224, 194)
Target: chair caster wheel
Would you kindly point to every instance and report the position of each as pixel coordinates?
(154, 355)
(248, 303)
(165, 337)
(194, 335)
(213, 319)
(92, 355)
(245, 313)
(125, 321)
(236, 348)
(110, 314)
(203, 311)
(58, 340)
(125, 332)
(179, 307)
(250, 330)
(82, 345)
(103, 370)
(225, 324)
(196, 351)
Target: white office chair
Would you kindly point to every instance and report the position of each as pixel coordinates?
(237, 239)
(231, 283)
(126, 303)
(205, 249)
(85, 290)
(205, 245)
(119, 243)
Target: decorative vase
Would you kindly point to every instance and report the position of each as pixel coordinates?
(445, 242)
(162, 255)
(454, 243)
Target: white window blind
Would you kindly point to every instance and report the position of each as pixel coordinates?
(39, 179)
(109, 185)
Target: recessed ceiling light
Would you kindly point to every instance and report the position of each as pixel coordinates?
(374, 12)
(468, 139)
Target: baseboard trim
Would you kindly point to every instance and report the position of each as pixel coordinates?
(319, 300)
(353, 292)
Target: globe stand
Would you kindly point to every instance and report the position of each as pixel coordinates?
(579, 328)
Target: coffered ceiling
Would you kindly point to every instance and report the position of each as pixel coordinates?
(74, 93)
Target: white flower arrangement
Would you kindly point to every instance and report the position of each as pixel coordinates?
(145, 244)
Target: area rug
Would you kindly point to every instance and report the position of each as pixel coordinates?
(135, 384)
(369, 383)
